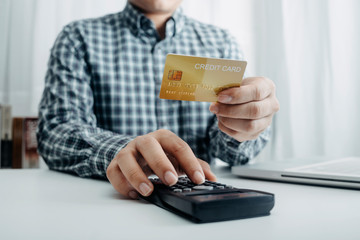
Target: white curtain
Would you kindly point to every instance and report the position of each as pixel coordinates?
(28, 29)
(310, 48)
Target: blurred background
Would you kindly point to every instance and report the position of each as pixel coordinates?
(309, 48)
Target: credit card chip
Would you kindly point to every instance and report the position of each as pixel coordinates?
(175, 75)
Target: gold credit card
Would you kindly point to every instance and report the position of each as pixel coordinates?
(199, 79)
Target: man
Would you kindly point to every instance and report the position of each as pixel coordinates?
(100, 114)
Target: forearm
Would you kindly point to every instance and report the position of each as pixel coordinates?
(77, 148)
(69, 136)
(230, 150)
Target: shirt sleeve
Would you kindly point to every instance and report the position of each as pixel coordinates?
(68, 136)
(222, 145)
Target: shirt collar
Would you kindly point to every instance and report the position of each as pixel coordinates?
(138, 23)
(176, 23)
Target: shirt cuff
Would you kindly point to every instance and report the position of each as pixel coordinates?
(106, 151)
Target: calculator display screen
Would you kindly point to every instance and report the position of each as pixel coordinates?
(219, 196)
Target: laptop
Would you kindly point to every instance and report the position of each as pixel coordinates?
(340, 172)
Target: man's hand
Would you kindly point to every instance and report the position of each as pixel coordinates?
(160, 152)
(246, 111)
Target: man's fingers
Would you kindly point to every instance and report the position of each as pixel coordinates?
(231, 132)
(155, 156)
(159, 152)
(245, 125)
(209, 175)
(251, 89)
(119, 182)
(241, 137)
(175, 146)
(134, 173)
(251, 110)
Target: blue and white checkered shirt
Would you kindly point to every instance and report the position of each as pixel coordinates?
(102, 90)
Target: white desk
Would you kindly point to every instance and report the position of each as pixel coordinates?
(42, 204)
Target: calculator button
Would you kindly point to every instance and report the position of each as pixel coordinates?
(187, 189)
(210, 182)
(177, 190)
(203, 187)
(220, 187)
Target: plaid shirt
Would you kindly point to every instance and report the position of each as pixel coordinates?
(102, 88)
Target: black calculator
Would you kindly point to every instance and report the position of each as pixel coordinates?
(210, 201)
